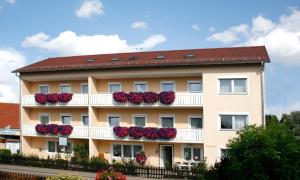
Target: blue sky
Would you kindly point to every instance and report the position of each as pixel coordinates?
(33, 30)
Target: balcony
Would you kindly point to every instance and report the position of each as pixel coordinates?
(78, 132)
(77, 100)
(181, 100)
(183, 135)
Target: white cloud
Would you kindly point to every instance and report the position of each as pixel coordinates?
(212, 29)
(69, 43)
(10, 60)
(11, 1)
(89, 8)
(282, 38)
(139, 25)
(231, 35)
(195, 27)
(278, 110)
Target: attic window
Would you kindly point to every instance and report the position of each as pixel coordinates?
(160, 57)
(90, 60)
(133, 58)
(189, 55)
(115, 59)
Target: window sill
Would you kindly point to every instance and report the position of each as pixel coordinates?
(233, 93)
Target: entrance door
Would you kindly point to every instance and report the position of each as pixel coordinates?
(166, 156)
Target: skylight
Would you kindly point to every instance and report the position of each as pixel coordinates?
(160, 57)
(90, 60)
(115, 59)
(189, 55)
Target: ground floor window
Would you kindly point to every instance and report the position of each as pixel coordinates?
(126, 150)
(192, 153)
(54, 147)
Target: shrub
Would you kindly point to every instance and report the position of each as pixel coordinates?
(40, 98)
(109, 175)
(81, 152)
(151, 133)
(135, 97)
(136, 132)
(120, 131)
(270, 152)
(150, 97)
(65, 177)
(141, 158)
(167, 133)
(5, 152)
(120, 97)
(167, 97)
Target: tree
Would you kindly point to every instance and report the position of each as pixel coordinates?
(270, 152)
(270, 118)
(292, 121)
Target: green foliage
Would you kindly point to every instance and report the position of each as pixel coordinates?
(261, 153)
(65, 177)
(292, 121)
(270, 118)
(81, 152)
(5, 152)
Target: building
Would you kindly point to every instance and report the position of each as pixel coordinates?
(9, 127)
(217, 92)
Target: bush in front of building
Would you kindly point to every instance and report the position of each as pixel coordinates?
(65, 177)
(5, 152)
(271, 152)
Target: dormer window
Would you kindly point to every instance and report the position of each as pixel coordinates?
(133, 58)
(189, 55)
(160, 57)
(115, 59)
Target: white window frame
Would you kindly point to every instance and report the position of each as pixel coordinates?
(39, 88)
(65, 85)
(44, 114)
(232, 78)
(139, 115)
(81, 88)
(55, 143)
(233, 119)
(192, 153)
(195, 116)
(110, 115)
(113, 83)
(167, 115)
(220, 151)
(194, 81)
(85, 114)
(162, 82)
(140, 82)
(122, 151)
(65, 114)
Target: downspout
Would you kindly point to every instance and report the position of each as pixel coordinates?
(20, 93)
(263, 93)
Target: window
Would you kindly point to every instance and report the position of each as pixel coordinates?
(223, 152)
(85, 119)
(192, 154)
(167, 122)
(127, 151)
(167, 86)
(65, 88)
(233, 122)
(66, 119)
(195, 122)
(54, 147)
(44, 118)
(139, 120)
(195, 86)
(235, 86)
(114, 87)
(51, 146)
(44, 89)
(84, 89)
(140, 87)
(113, 121)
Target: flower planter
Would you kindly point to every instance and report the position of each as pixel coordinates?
(136, 132)
(52, 98)
(120, 131)
(53, 129)
(167, 97)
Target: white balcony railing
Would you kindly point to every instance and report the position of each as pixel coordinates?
(182, 99)
(78, 132)
(183, 135)
(77, 100)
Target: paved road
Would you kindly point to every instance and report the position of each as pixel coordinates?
(53, 172)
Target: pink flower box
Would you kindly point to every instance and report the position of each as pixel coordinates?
(167, 97)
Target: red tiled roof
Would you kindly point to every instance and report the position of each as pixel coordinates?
(232, 55)
(9, 115)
